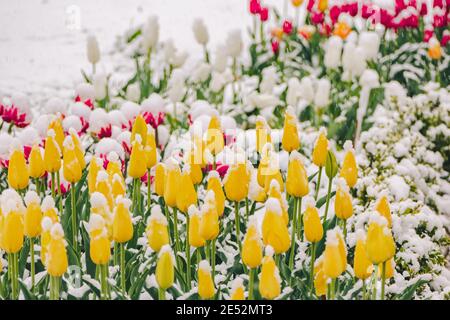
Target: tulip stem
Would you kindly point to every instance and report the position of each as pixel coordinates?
(58, 182)
(237, 222)
(246, 209)
(177, 243)
(251, 279)
(364, 289)
(328, 200)
(333, 289)
(161, 294)
(188, 255)
(383, 279)
(53, 184)
(103, 281)
(122, 267)
(213, 258)
(313, 258)
(374, 283)
(293, 232)
(299, 219)
(318, 184)
(344, 222)
(32, 263)
(149, 192)
(207, 252)
(74, 218)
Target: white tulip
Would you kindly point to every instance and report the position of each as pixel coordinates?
(269, 80)
(93, 51)
(154, 104)
(133, 92)
(218, 81)
(307, 89)
(55, 106)
(293, 92)
(150, 33)
(100, 83)
(201, 73)
(200, 31)
(220, 60)
(322, 97)
(333, 49)
(234, 43)
(370, 42)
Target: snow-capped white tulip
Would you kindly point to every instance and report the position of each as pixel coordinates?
(220, 59)
(234, 43)
(322, 97)
(133, 92)
(29, 136)
(98, 119)
(333, 49)
(370, 42)
(200, 31)
(100, 84)
(72, 121)
(307, 89)
(85, 91)
(93, 51)
(269, 79)
(55, 105)
(353, 60)
(218, 81)
(130, 110)
(154, 104)
(150, 33)
(369, 79)
(201, 73)
(293, 92)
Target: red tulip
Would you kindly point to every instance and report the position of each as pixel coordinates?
(264, 14)
(255, 6)
(275, 46)
(287, 27)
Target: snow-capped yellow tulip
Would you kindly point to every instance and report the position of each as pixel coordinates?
(71, 166)
(56, 126)
(334, 263)
(33, 215)
(269, 278)
(137, 165)
(139, 129)
(236, 182)
(434, 49)
(114, 165)
(100, 205)
(209, 222)
(383, 208)
(46, 226)
(104, 187)
(274, 192)
(195, 238)
(150, 149)
(237, 289)
(262, 133)
(79, 150)
(94, 167)
(100, 246)
(290, 140)
(56, 260)
(165, 273)
(156, 231)
(380, 245)
(349, 170)
(390, 268)
(160, 177)
(255, 191)
(36, 162)
(52, 153)
(319, 156)
(49, 210)
(297, 179)
(215, 185)
(252, 247)
(313, 228)
(172, 182)
(188, 195)
(362, 266)
(13, 227)
(343, 206)
(320, 283)
(214, 136)
(18, 174)
(274, 229)
(122, 224)
(206, 288)
(118, 186)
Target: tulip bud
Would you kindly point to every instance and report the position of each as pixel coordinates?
(156, 231)
(343, 203)
(122, 224)
(297, 179)
(269, 278)
(56, 258)
(323, 5)
(274, 229)
(94, 167)
(214, 136)
(33, 215)
(173, 175)
(36, 162)
(319, 156)
(252, 247)
(236, 182)
(71, 166)
(390, 268)
(215, 185)
(335, 254)
(79, 151)
(195, 238)
(139, 128)
(165, 273)
(274, 192)
(52, 153)
(150, 149)
(200, 32)
(160, 177)
(137, 165)
(362, 266)
(13, 228)
(290, 140)
(100, 247)
(93, 51)
(206, 288)
(188, 196)
(383, 208)
(237, 289)
(18, 175)
(56, 126)
(312, 225)
(434, 49)
(380, 245)
(209, 222)
(349, 170)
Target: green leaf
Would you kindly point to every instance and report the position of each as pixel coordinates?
(26, 293)
(331, 167)
(408, 293)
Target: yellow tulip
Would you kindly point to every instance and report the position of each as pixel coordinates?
(94, 167)
(290, 140)
(122, 224)
(320, 283)
(334, 260)
(13, 228)
(56, 260)
(209, 222)
(269, 278)
(36, 162)
(79, 150)
(434, 49)
(237, 290)
(33, 215)
(349, 170)
(262, 133)
(236, 182)
(297, 179)
(252, 247)
(343, 206)
(215, 185)
(362, 266)
(156, 231)
(52, 153)
(319, 156)
(214, 136)
(71, 166)
(313, 228)
(100, 206)
(114, 166)
(171, 184)
(118, 186)
(46, 226)
(274, 192)
(56, 126)
(165, 273)
(188, 196)
(103, 186)
(49, 210)
(383, 208)
(137, 165)
(160, 177)
(274, 229)
(296, 3)
(18, 174)
(390, 268)
(323, 5)
(380, 245)
(139, 129)
(255, 191)
(195, 238)
(150, 149)
(100, 246)
(206, 288)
